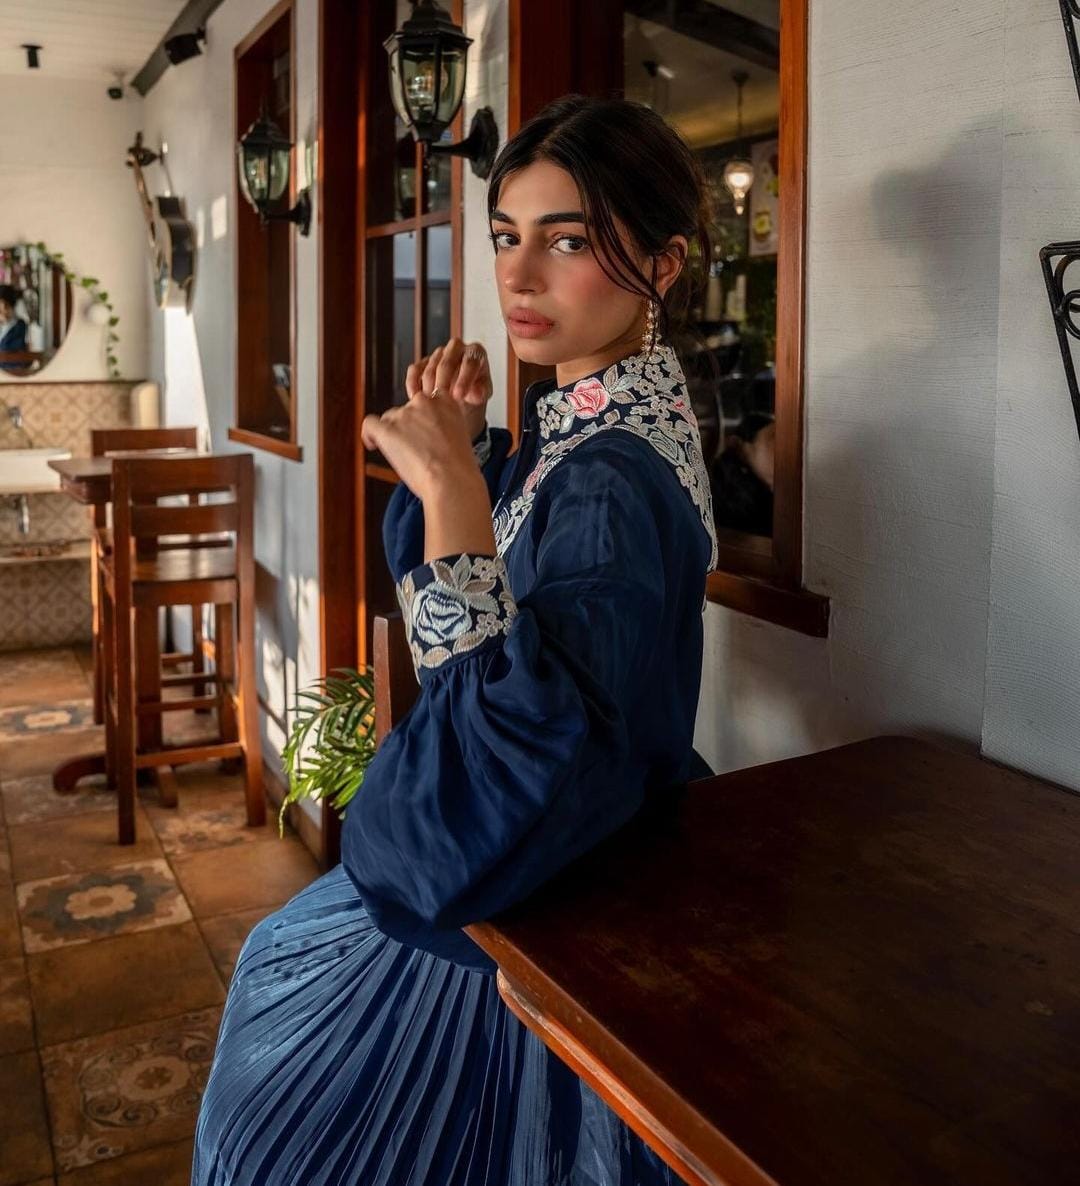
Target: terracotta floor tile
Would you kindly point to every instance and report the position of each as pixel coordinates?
(28, 800)
(82, 907)
(24, 1132)
(211, 819)
(41, 677)
(5, 857)
(78, 843)
(10, 936)
(222, 881)
(26, 721)
(164, 1165)
(225, 935)
(23, 756)
(93, 987)
(16, 1019)
(150, 1075)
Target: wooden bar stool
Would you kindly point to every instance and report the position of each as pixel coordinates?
(102, 442)
(141, 575)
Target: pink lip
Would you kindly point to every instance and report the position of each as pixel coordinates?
(525, 323)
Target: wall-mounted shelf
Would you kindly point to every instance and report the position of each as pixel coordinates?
(77, 550)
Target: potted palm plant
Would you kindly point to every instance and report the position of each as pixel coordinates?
(331, 740)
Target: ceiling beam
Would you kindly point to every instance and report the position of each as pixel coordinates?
(193, 15)
(719, 27)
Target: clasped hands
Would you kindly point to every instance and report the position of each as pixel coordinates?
(428, 440)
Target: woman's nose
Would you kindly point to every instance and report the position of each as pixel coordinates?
(522, 273)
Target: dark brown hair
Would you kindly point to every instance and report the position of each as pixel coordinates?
(629, 163)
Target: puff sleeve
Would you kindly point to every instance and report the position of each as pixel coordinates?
(518, 755)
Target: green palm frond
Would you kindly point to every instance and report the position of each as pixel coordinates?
(331, 741)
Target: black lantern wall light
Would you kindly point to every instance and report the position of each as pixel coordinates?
(1057, 258)
(427, 81)
(262, 157)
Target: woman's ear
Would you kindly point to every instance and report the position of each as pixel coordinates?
(669, 263)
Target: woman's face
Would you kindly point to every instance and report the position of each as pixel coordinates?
(7, 311)
(547, 267)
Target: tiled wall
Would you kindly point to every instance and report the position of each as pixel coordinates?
(47, 603)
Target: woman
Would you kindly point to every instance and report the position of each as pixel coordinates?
(12, 327)
(553, 602)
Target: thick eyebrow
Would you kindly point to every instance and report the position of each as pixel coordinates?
(544, 219)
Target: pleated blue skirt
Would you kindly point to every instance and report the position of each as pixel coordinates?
(347, 1059)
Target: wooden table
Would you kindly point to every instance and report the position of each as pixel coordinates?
(88, 480)
(856, 968)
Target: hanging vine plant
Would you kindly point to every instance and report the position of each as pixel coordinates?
(99, 300)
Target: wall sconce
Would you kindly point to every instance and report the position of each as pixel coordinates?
(427, 81)
(262, 156)
(1070, 14)
(1064, 305)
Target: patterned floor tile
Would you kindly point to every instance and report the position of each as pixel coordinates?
(210, 821)
(78, 843)
(90, 988)
(16, 1019)
(30, 800)
(24, 1131)
(164, 1165)
(128, 1090)
(24, 721)
(81, 907)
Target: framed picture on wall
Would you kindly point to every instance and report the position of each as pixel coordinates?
(765, 198)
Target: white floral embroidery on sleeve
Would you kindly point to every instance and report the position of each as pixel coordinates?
(451, 606)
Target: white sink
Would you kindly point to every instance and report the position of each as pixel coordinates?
(26, 471)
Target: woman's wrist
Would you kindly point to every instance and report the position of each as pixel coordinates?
(457, 515)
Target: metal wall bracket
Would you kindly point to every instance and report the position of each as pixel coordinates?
(1064, 307)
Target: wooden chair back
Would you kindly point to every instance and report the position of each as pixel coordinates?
(396, 686)
(112, 440)
(139, 519)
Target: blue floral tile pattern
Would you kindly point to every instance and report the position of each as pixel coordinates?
(33, 720)
(80, 907)
(453, 605)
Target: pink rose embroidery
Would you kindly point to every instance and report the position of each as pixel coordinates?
(589, 398)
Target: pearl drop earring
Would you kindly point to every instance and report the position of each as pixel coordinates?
(647, 338)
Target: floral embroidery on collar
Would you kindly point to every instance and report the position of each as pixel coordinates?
(645, 396)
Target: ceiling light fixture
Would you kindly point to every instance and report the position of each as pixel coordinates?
(739, 172)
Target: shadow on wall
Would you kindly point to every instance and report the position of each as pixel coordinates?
(903, 282)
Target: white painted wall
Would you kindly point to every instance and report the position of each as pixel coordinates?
(191, 109)
(63, 181)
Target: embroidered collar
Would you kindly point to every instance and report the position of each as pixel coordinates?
(643, 395)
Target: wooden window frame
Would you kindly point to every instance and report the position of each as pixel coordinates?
(347, 49)
(245, 229)
(759, 575)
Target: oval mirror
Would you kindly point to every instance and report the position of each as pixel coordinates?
(36, 302)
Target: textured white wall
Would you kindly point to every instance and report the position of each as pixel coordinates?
(1033, 667)
(191, 108)
(63, 181)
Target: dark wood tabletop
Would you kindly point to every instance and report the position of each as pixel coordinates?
(89, 479)
(856, 968)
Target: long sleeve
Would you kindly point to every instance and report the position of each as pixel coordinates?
(403, 523)
(518, 755)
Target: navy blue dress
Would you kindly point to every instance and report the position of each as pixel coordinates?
(363, 1041)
